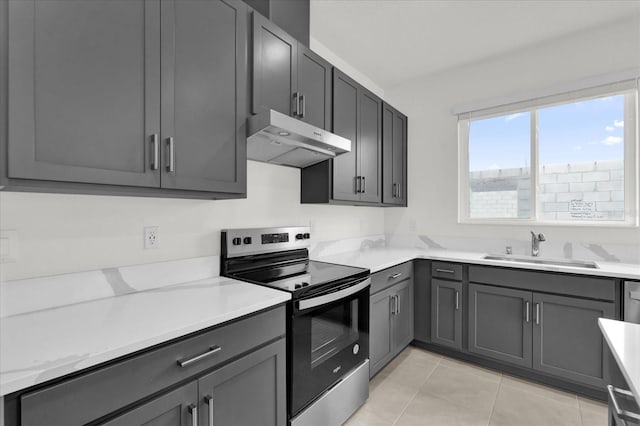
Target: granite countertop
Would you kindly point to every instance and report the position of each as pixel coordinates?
(377, 259)
(623, 339)
(50, 343)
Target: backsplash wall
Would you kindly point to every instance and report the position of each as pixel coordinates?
(60, 233)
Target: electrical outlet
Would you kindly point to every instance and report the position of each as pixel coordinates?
(151, 237)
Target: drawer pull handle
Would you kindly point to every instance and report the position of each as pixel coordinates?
(624, 414)
(394, 276)
(212, 350)
(446, 271)
(193, 410)
(209, 400)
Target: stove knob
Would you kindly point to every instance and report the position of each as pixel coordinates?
(297, 286)
(247, 240)
(299, 236)
(236, 241)
(305, 284)
(307, 236)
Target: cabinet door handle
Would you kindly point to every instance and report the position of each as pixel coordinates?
(209, 400)
(392, 302)
(296, 104)
(397, 304)
(171, 163)
(303, 107)
(623, 414)
(193, 410)
(155, 152)
(394, 276)
(537, 306)
(399, 191)
(445, 271)
(457, 300)
(393, 190)
(212, 350)
(526, 311)
(357, 183)
(364, 185)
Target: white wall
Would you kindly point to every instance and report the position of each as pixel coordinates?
(65, 233)
(433, 130)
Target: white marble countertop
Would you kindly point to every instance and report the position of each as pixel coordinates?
(377, 259)
(50, 343)
(624, 340)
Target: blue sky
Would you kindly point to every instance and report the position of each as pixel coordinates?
(578, 132)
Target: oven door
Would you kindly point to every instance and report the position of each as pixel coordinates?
(329, 337)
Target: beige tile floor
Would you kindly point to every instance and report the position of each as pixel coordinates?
(423, 388)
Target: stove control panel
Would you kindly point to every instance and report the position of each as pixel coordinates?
(248, 241)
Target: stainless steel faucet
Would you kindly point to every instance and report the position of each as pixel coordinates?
(535, 242)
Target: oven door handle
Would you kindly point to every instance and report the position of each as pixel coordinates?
(332, 297)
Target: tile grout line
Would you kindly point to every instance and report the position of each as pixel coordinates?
(495, 400)
(415, 394)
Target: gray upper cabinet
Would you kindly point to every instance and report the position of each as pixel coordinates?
(566, 339)
(203, 101)
(288, 77)
(176, 408)
(500, 323)
(84, 91)
(394, 153)
(314, 88)
(135, 94)
(346, 110)
(446, 313)
(352, 177)
(249, 391)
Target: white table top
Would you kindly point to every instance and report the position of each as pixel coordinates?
(623, 339)
(50, 343)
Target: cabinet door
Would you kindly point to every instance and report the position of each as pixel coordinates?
(84, 91)
(249, 391)
(446, 313)
(380, 339)
(566, 339)
(314, 85)
(370, 146)
(402, 320)
(275, 62)
(500, 323)
(422, 300)
(346, 110)
(175, 408)
(203, 92)
(394, 146)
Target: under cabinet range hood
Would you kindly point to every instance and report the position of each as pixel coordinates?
(273, 137)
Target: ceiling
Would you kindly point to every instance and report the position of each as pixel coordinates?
(392, 41)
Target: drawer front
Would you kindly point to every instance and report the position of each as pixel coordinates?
(547, 282)
(98, 393)
(390, 276)
(446, 270)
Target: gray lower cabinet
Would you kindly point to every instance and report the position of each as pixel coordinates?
(237, 372)
(123, 95)
(391, 328)
(500, 324)
(249, 391)
(422, 300)
(567, 342)
(446, 313)
(176, 408)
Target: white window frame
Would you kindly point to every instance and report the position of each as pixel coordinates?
(631, 154)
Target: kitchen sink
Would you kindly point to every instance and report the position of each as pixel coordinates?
(543, 261)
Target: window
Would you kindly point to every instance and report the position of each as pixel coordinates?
(569, 158)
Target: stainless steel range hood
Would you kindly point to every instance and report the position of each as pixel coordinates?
(273, 137)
